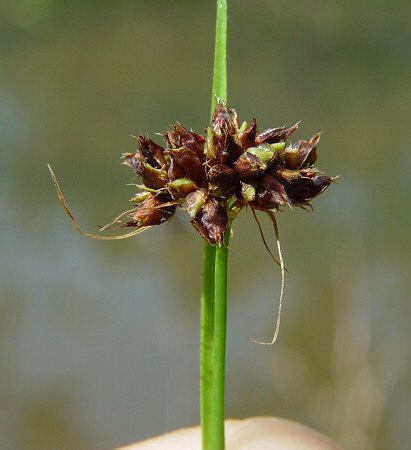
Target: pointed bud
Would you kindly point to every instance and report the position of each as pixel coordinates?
(151, 152)
(273, 135)
(308, 186)
(229, 152)
(221, 149)
(181, 137)
(224, 121)
(270, 194)
(150, 212)
(190, 163)
(308, 151)
(194, 142)
(292, 181)
(211, 222)
(320, 184)
(246, 138)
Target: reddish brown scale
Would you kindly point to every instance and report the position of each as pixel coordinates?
(275, 135)
(151, 152)
(224, 121)
(247, 138)
(154, 178)
(211, 222)
(189, 163)
(222, 180)
(248, 166)
(308, 151)
(175, 171)
(270, 194)
(313, 187)
(150, 212)
(181, 137)
(230, 152)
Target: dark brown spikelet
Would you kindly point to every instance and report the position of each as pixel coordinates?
(211, 221)
(274, 135)
(230, 167)
(151, 211)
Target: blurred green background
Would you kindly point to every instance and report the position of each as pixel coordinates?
(99, 340)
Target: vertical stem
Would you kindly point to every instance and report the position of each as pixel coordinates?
(213, 340)
(218, 356)
(220, 55)
(214, 295)
(206, 350)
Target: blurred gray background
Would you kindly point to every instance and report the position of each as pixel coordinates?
(99, 340)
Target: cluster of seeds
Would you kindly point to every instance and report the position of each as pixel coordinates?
(214, 176)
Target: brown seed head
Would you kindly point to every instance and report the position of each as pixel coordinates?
(229, 167)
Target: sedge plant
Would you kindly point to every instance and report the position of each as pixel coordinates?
(213, 177)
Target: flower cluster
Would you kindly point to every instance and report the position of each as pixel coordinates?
(230, 167)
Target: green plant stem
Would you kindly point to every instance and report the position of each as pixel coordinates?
(214, 295)
(220, 56)
(213, 340)
(207, 375)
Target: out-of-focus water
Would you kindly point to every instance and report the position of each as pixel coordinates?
(99, 340)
